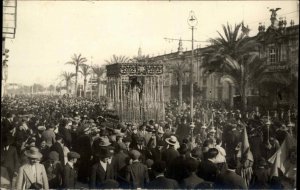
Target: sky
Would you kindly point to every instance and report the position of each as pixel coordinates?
(49, 32)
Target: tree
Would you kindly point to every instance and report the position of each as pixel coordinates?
(178, 69)
(234, 55)
(76, 60)
(99, 71)
(51, 88)
(85, 71)
(67, 77)
(118, 59)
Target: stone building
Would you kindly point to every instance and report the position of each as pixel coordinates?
(279, 86)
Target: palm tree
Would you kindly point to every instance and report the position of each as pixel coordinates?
(234, 54)
(85, 71)
(66, 76)
(76, 60)
(118, 59)
(99, 71)
(178, 69)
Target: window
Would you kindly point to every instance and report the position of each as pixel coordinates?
(274, 55)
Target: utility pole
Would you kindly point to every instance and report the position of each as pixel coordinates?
(192, 21)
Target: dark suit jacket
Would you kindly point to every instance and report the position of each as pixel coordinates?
(66, 133)
(177, 169)
(163, 183)
(169, 155)
(69, 177)
(230, 180)
(191, 182)
(11, 160)
(137, 175)
(7, 126)
(154, 154)
(59, 149)
(208, 171)
(260, 179)
(99, 175)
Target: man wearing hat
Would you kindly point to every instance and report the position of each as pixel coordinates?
(84, 148)
(54, 170)
(101, 171)
(39, 136)
(32, 175)
(10, 156)
(58, 146)
(70, 174)
(170, 153)
(120, 160)
(137, 173)
(176, 169)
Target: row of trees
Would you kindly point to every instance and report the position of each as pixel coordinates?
(79, 62)
(85, 70)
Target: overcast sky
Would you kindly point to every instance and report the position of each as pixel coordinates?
(49, 32)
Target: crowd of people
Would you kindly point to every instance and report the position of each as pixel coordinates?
(51, 142)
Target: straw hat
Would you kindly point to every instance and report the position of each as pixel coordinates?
(172, 140)
(33, 152)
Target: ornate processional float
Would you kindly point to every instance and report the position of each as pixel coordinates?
(136, 92)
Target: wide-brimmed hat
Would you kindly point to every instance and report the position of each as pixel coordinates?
(172, 140)
(33, 152)
(104, 142)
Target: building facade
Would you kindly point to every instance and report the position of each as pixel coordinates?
(279, 45)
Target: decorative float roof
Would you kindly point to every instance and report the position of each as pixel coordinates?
(134, 69)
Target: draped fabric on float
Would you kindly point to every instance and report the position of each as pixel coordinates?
(135, 103)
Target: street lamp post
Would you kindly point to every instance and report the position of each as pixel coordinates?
(192, 21)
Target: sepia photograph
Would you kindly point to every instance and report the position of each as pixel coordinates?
(149, 94)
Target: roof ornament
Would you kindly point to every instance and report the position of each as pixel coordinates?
(274, 21)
